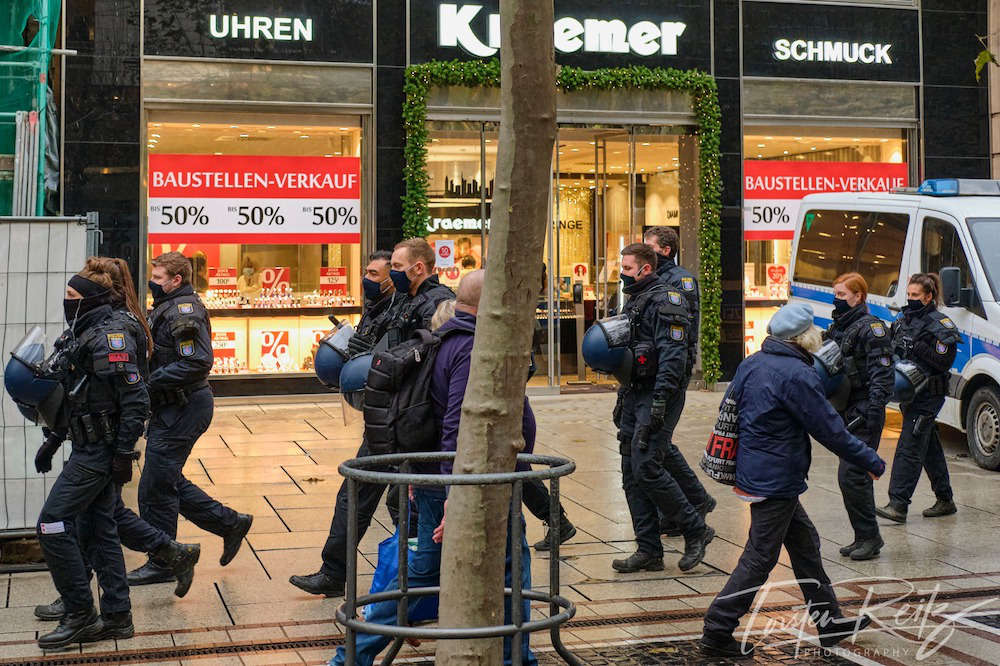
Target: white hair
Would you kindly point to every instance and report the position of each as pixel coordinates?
(445, 311)
(810, 339)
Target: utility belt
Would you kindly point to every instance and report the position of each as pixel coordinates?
(174, 395)
(100, 427)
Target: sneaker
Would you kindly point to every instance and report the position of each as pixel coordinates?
(940, 508)
(638, 561)
(724, 647)
(319, 583)
(566, 532)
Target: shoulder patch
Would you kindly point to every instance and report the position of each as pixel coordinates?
(940, 347)
(116, 341)
(677, 333)
(185, 308)
(674, 297)
(687, 283)
(132, 378)
(878, 329)
(885, 361)
(946, 322)
(186, 347)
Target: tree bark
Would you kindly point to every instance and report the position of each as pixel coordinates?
(490, 435)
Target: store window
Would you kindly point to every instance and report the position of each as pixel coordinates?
(268, 209)
(783, 164)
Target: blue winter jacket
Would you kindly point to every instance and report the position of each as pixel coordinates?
(448, 382)
(781, 403)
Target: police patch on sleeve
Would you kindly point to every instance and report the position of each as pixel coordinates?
(185, 308)
(186, 347)
(885, 361)
(116, 341)
(940, 347)
(674, 297)
(878, 329)
(687, 283)
(677, 333)
(132, 378)
(947, 323)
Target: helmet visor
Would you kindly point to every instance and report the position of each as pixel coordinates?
(338, 337)
(31, 349)
(617, 330)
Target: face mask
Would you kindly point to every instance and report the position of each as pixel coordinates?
(156, 290)
(840, 306)
(401, 280)
(914, 303)
(627, 280)
(372, 289)
(248, 272)
(71, 309)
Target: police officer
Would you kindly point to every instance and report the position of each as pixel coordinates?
(927, 338)
(660, 325)
(664, 242)
(381, 302)
(182, 407)
(867, 350)
(106, 406)
(412, 274)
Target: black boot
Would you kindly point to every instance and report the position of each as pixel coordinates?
(837, 629)
(940, 508)
(53, 611)
(670, 528)
(234, 539)
(180, 558)
(893, 512)
(566, 532)
(694, 548)
(319, 583)
(638, 561)
(77, 627)
(116, 625)
(849, 548)
(150, 573)
(724, 647)
(867, 549)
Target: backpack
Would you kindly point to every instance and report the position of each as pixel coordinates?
(398, 411)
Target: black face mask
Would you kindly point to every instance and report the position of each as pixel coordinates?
(71, 309)
(74, 308)
(627, 280)
(840, 306)
(156, 290)
(914, 304)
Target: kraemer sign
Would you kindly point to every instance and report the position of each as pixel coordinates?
(820, 41)
(587, 33)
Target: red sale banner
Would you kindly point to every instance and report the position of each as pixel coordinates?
(289, 199)
(333, 280)
(224, 344)
(277, 277)
(222, 278)
(772, 189)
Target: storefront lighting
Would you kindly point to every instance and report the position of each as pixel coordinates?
(216, 153)
(575, 150)
(759, 155)
(244, 136)
(768, 137)
(271, 127)
(826, 138)
(884, 140)
(157, 124)
(344, 129)
(813, 148)
(786, 152)
(233, 126)
(762, 145)
(195, 124)
(304, 136)
(327, 155)
(156, 135)
(645, 143)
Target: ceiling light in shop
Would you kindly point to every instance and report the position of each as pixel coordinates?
(327, 155)
(762, 145)
(645, 143)
(233, 126)
(855, 140)
(244, 136)
(195, 125)
(884, 140)
(798, 138)
(786, 152)
(768, 137)
(812, 148)
(575, 150)
(344, 129)
(304, 136)
(272, 127)
(336, 153)
(826, 138)
(157, 124)
(216, 153)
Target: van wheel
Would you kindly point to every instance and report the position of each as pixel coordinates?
(982, 425)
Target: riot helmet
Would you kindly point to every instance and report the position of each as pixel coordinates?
(353, 378)
(908, 380)
(36, 390)
(605, 347)
(829, 363)
(332, 355)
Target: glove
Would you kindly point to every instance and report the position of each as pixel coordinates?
(616, 414)
(357, 345)
(121, 466)
(855, 420)
(43, 459)
(656, 412)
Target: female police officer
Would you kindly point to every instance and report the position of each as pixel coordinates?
(927, 339)
(866, 347)
(106, 406)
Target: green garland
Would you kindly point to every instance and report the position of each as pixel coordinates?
(705, 101)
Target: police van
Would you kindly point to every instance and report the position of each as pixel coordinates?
(946, 226)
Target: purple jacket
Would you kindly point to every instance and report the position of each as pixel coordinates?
(448, 381)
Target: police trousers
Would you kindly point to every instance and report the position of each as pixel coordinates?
(76, 531)
(919, 448)
(656, 477)
(163, 491)
(857, 488)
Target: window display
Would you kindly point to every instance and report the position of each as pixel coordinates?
(269, 212)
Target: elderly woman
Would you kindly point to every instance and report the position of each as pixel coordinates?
(781, 403)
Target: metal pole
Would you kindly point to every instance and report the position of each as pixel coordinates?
(554, 519)
(515, 572)
(351, 593)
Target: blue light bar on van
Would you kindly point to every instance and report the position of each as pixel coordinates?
(953, 187)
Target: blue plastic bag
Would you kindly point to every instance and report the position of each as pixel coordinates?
(421, 609)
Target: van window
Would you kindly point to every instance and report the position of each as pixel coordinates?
(833, 242)
(986, 236)
(941, 246)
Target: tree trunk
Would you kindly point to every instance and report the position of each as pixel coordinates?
(490, 435)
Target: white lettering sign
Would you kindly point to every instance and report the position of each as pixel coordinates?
(260, 27)
(803, 50)
(590, 35)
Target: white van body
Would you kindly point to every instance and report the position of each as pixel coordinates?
(888, 237)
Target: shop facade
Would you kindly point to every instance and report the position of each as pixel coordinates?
(267, 144)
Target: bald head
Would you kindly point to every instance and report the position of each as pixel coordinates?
(470, 290)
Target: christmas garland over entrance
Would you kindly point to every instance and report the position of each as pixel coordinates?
(704, 101)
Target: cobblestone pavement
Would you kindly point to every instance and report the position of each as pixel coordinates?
(935, 590)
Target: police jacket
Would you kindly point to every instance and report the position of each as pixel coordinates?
(781, 402)
(659, 321)
(930, 339)
(681, 279)
(182, 342)
(106, 399)
(374, 322)
(867, 348)
(416, 311)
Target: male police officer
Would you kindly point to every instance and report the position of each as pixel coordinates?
(659, 322)
(381, 302)
(412, 274)
(182, 405)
